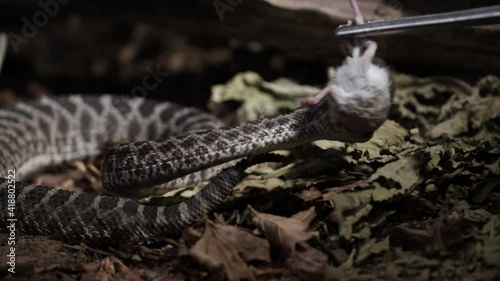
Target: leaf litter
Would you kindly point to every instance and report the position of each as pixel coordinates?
(419, 201)
(418, 195)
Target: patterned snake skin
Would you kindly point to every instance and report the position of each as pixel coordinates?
(166, 143)
(52, 130)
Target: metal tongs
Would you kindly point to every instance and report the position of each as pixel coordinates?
(478, 16)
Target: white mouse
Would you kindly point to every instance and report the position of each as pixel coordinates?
(360, 93)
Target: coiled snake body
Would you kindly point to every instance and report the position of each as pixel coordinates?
(169, 143)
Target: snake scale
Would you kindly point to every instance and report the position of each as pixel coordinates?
(165, 142)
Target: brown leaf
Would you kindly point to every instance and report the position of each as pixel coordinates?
(284, 232)
(112, 268)
(215, 252)
(411, 238)
(249, 246)
(306, 264)
(305, 216)
(419, 207)
(310, 194)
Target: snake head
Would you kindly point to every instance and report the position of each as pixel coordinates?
(361, 92)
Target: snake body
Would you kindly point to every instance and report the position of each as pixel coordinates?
(52, 130)
(164, 142)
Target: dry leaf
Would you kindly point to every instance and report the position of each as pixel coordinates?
(215, 252)
(281, 231)
(258, 97)
(305, 216)
(372, 247)
(306, 264)
(112, 268)
(249, 246)
(389, 137)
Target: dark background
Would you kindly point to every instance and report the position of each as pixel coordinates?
(105, 46)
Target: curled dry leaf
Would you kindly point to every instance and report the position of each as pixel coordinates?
(421, 101)
(283, 232)
(470, 120)
(390, 137)
(249, 246)
(228, 248)
(305, 216)
(402, 174)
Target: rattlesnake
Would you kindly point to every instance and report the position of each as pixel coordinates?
(50, 130)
